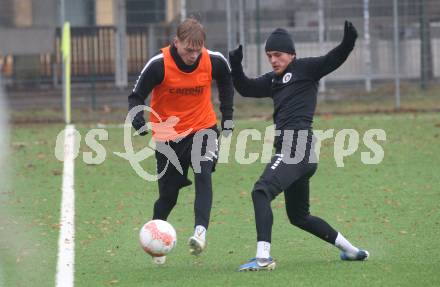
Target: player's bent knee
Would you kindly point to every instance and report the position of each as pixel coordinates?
(254, 194)
(260, 194)
(168, 200)
(269, 189)
(298, 220)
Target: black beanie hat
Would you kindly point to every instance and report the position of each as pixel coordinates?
(281, 41)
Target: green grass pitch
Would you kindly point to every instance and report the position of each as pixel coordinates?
(392, 209)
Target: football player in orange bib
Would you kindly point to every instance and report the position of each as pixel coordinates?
(180, 77)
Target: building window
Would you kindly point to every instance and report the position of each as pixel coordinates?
(22, 11)
(104, 13)
(145, 12)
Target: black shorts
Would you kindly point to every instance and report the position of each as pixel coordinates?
(186, 156)
(280, 174)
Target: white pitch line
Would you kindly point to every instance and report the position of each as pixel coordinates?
(66, 244)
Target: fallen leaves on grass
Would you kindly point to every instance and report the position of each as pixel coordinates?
(18, 145)
(279, 205)
(56, 226)
(56, 172)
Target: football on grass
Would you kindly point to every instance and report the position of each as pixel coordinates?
(157, 237)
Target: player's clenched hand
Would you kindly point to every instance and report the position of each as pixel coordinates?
(139, 125)
(350, 33)
(236, 56)
(227, 127)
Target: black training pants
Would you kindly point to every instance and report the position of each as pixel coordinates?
(172, 180)
(293, 179)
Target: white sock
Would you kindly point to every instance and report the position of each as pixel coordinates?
(200, 232)
(344, 245)
(263, 249)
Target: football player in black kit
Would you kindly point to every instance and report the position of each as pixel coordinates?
(293, 86)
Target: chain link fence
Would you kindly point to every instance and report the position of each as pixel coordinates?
(398, 44)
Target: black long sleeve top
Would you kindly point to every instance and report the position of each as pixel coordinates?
(294, 92)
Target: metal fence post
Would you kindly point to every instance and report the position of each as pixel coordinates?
(182, 10)
(396, 53)
(425, 46)
(367, 45)
(229, 24)
(257, 15)
(321, 30)
(241, 34)
(121, 77)
(151, 43)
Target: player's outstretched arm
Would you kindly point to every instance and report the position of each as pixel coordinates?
(326, 64)
(255, 88)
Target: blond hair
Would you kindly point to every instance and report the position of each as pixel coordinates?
(192, 31)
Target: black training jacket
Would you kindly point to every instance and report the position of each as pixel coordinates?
(294, 92)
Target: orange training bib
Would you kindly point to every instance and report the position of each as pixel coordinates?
(182, 102)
